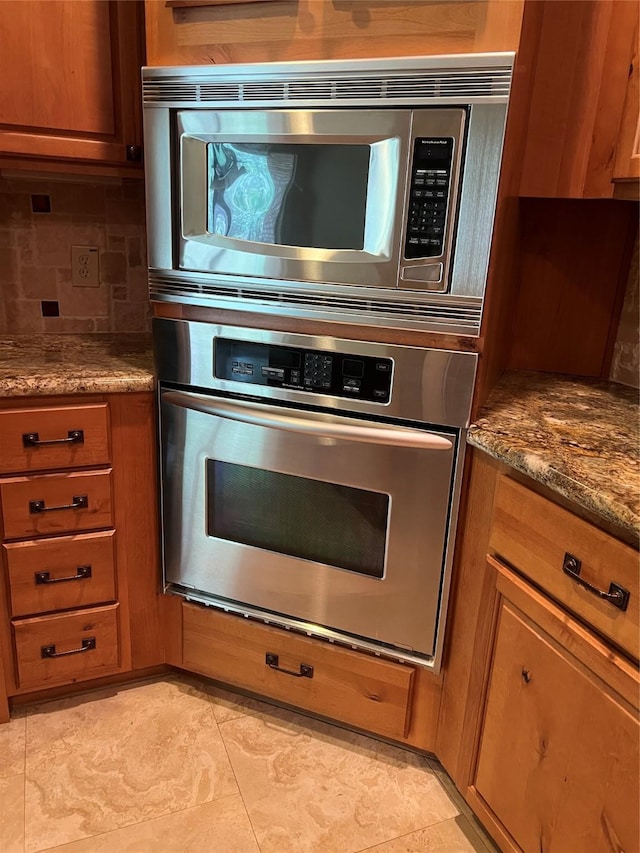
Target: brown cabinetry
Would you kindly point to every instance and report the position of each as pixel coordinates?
(626, 170)
(355, 688)
(70, 85)
(539, 716)
(79, 549)
(558, 752)
(393, 699)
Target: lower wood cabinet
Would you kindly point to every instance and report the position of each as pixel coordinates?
(538, 723)
(558, 756)
(79, 545)
(349, 686)
(67, 646)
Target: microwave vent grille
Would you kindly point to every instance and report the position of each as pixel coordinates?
(453, 86)
(433, 312)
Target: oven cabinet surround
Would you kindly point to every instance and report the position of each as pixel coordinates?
(306, 29)
(70, 99)
(80, 591)
(539, 719)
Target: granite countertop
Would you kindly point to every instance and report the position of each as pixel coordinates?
(97, 363)
(579, 437)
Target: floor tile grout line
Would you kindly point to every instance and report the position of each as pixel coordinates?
(137, 823)
(407, 834)
(244, 805)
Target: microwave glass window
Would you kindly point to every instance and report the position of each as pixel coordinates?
(325, 522)
(308, 196)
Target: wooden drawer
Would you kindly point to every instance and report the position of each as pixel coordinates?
(356, 688)
(56, 490)
(534, 535)
(19, 452)
(80, 645)
(78, 571)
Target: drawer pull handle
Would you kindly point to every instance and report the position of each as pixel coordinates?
(617, 595)
(50, 651)
(32, 439)
(82, 572)
(79, 502)
(306, 671)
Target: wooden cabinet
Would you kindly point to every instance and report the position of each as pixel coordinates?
(395, 700)
(539, 716)
(558, 753)
(304, 29)
(70, 94)
(355, 688)
(583, 50)
(79, 553)
(626, 170)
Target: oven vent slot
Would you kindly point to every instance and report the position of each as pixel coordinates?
(434, 312)
(464, 85)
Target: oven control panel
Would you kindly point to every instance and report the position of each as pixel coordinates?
(333, 373)
(430, 179)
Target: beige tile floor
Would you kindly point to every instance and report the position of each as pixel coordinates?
(176, 764)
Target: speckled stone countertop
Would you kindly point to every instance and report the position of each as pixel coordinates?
(98, 363)
(579, 437)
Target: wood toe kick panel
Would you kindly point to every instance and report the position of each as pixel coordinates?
(533, 534)
(61, 573)
(67, 647)
(38, 439)
(365, 691)
(56, 490)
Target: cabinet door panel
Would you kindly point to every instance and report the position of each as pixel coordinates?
(70, 80)
(558, 757)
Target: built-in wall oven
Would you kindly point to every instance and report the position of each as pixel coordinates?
(313, 482)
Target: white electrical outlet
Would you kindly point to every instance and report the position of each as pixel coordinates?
(85, 266)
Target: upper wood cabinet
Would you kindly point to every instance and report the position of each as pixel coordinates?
(582, 53)
(185, 34)
(627, 165)
(70, 93)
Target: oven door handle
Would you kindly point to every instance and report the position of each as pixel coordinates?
(309, 423)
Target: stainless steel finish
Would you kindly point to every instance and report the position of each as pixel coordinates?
(430, 386)
(478, 200)
(308, 423)
(449, 79)
(399, 609)
(270, 283)
(400, 615)
(453, 315)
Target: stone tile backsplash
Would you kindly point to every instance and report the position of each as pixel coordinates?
(35, 256)
(35, 263)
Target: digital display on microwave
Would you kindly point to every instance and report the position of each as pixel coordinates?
(304, 195)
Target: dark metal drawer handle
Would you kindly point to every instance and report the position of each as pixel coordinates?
(32, 439)
(617, 595)
(306, 671)
(50, 651)
(79, 502)
(82, 572)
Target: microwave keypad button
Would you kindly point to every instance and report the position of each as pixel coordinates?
(383, 366)
(380, 393)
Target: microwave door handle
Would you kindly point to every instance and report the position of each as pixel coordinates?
(307, 422)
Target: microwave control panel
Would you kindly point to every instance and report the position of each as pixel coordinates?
(332, 373)
(429, 197)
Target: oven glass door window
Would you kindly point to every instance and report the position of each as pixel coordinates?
(337, 525)
(309, 196)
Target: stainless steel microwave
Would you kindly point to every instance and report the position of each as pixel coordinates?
(353, 190)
